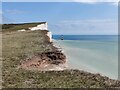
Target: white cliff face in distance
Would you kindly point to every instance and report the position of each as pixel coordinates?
(40, 27)
(49, 34)
(43, 26)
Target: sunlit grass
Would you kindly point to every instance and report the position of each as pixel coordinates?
(17, 46)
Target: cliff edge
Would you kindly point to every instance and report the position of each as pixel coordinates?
(29, 60)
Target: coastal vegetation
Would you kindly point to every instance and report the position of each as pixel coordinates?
(21, 46)
(14, 27)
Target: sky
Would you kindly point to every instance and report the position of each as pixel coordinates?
(75, 18)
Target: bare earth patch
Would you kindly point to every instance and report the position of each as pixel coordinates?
(46, 61)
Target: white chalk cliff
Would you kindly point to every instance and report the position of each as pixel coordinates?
(40, 27)
(43, 26)
(49, 34)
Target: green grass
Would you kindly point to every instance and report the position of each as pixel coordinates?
(17, 46)
(14, 27)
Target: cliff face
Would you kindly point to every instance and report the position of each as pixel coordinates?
(45, 61)
(28, 27)
(49, 34)
(42, 26)
(26, 51)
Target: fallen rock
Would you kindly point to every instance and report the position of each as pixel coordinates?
(44, 60)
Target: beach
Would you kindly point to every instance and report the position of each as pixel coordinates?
(95, 56)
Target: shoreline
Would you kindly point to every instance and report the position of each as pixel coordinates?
(47, 61)
(55, 44)
(82, 66)
(59, 49)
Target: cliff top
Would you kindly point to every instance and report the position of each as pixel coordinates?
(14, 27)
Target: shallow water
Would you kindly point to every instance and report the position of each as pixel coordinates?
(92, 56)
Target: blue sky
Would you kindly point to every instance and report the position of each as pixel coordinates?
(65, 17)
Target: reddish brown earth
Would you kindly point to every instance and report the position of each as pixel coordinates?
(43, 61)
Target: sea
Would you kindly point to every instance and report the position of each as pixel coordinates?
(91, 53)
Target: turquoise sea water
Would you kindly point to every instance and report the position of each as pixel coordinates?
(97, 54)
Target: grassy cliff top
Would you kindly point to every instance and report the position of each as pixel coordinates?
(17, 46)
(14, 27)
